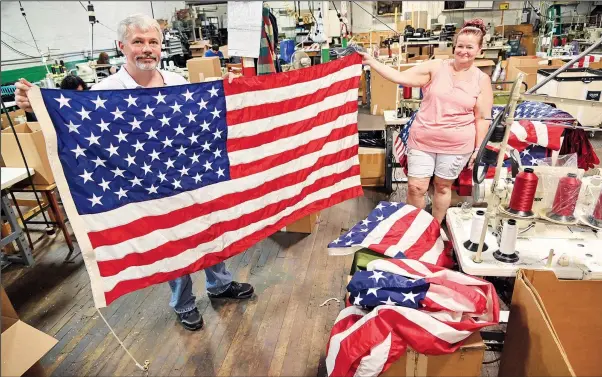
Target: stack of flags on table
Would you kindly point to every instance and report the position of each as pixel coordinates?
(406, 303)
(397, 230)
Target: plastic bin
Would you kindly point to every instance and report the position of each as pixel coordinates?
(575, 83)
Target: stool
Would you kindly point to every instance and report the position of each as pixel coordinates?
(48, 200)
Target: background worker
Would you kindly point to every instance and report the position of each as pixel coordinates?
(452, 120)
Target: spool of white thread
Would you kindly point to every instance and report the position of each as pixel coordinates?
(507, 253)
(478, 221)
(596, 180)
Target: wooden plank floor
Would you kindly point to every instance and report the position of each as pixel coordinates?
(281, 331)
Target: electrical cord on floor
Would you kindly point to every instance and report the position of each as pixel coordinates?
(49, 228)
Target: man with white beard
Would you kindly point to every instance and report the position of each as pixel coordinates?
(140, 41)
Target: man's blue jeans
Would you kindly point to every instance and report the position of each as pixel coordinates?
(182, 298)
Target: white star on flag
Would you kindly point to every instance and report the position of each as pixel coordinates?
(104, 184)
(195, 158)
(121, 136)
(99, 102)
(93, 139)
(213, 91)
(409, 296)
(176, 108)
(377, 275)
(205, 126)
(95, 200)
(79, 151)
(135, 123)
(118, 172)
(202, 104)
(147, 168)
(121, 193)
(131, 160)
(191, 117)
(86, 176)
(193, 138)
(164, 121)
(152, 189)
(99, 162)
(220, 172)
(176, 184)
(154, 155)
(167, 142)
(136, 181)
(179, 129)
(131, 101)
(380, 218)
(103, 126)
(118, 113)
(197, 178)
(148, 111)
(379, 206)
(217, 153)
(152, 134)
(206, 146)
(169, 163)
(160, 98)
(187, 95)
(357, 300)
(373, 291)
(181, 150)
(183, 171)
(84, 114)
(73, 127)
(366, 222)
(217, 134)
(162, 176)
(63, 101)
(112, 150)
(207, 166)
(389, 302)
(138, 146)
(215, 113)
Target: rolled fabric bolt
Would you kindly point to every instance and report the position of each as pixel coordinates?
(478, 220)
(550, 256)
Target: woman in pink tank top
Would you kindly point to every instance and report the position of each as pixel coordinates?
(451, 122)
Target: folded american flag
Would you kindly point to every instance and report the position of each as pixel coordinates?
(428, 308)
(397, 230)
(522, 133)
(162, 182)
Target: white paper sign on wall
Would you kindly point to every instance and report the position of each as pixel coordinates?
(244, 28)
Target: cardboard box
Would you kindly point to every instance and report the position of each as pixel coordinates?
(413, 51)
(554, 327)
(443, 51)
(22, 345)
(372, 166)
(13, 115)
(198, 49)
(418, 59)
(207, 67)
(34, 147)
(305, 224)
(485, 65)
(382, 91)
(465, 362)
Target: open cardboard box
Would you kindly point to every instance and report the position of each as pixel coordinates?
(554, 327)
(305, 224)
(22, 345)
(34, 147)
(199, 69)
(372, 166)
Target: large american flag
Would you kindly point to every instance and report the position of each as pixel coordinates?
(523, 133)
(397, 230)
(162, 182)
(397, 304)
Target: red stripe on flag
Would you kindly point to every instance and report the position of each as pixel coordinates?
(173, 248)
(399, 228)
(212, 259)
(149, 224)
(289, 78)
(292, 129)
(243, 170)
(425, 242)
(251, 113)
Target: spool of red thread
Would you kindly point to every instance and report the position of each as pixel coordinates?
(596, 218)
(523, 194)
(407, 92)
(565, 199)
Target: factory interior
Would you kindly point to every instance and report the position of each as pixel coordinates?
(370, 188)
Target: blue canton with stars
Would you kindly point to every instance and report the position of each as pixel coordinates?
(374, 288)
(356, 235)
(123, 146)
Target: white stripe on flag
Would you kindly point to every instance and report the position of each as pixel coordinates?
(126, 214)
(258, 126)
(519, 131)
(377, 234)
(450, 300)
(432, 256)
(282, 145)
(412, 234)
(190, 256)
(372, 364)
(384, 265)
(260, 97)
(542, 133)
(200, 224)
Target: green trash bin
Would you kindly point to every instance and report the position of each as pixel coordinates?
(364, 256)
